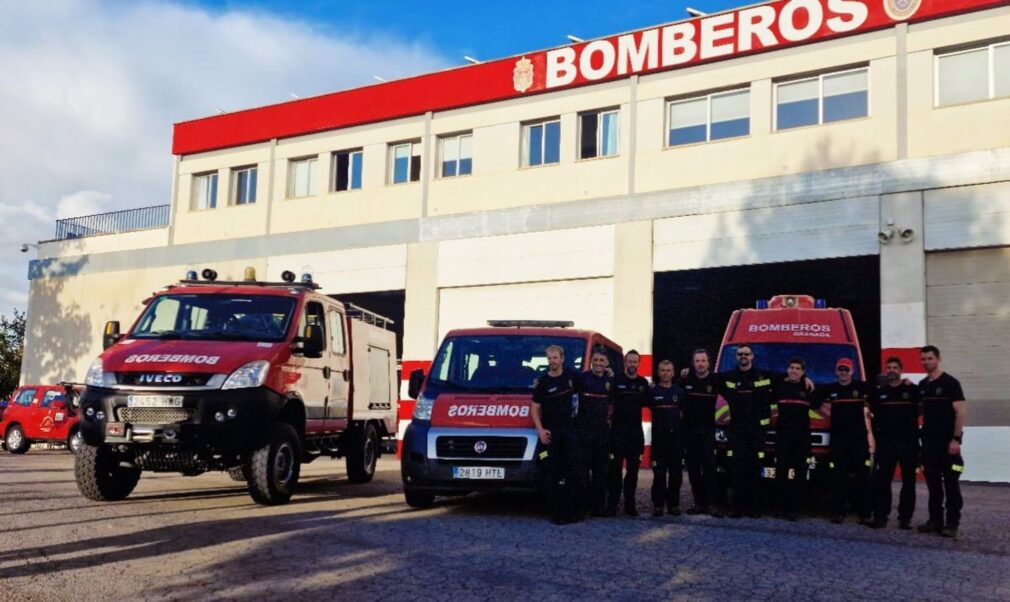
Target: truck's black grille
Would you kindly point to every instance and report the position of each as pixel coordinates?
(467, 446)
(154, 415)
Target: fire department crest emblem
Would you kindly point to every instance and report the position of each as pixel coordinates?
(522, 75)
(900, 10)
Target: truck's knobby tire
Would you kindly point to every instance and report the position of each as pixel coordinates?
(272, 470)
(418, 499)
(101, 477)
(16, 441)
(75, 442)
(237, 474)
(362, 453)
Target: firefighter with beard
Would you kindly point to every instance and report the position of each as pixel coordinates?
(748, 391)
(593, 426)
(555, 424)
(627, 442)
(895, 408)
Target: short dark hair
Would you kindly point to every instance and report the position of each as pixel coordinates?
(632, 352)
(895, 360)
(742, 345)
(797, 360)
(701, 350)
(931, 349)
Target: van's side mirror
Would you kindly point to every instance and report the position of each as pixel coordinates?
(416, 380)
(112, 335)
(312, 341)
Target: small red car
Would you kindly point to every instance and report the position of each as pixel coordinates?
(40, 413)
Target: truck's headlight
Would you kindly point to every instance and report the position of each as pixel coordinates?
(96, 374)
(250, 375)
(422, 408)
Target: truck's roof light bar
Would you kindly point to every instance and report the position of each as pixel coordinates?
(311, 285)
(530, 323)
(368, 317)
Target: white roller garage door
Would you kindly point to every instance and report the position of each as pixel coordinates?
(589, 303)
(968, 318)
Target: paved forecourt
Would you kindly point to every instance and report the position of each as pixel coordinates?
(181, 538)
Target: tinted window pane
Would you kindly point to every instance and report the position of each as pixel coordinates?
(251, 195)
(1001, 57)
(845, 106)
(465, 167)
(731, 129)
(964, 77)
(552, 142)
(401, 163)
(587, 147)
(535, 140)
(212, 192)
(687, 135)
(610, 140)
(796, 114)
(415, 168)
(356, 171)
(448, 169)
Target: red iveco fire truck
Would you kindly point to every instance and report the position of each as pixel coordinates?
(250, 377)
(779, 329)
(471, 428)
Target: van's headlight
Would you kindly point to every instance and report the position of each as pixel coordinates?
(253, 374)
(96, 374)
(422, 408)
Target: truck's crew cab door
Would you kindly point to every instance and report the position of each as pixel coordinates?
(340, 368)
(314, 381)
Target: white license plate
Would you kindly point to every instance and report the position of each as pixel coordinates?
(478, 472)
(154, 401)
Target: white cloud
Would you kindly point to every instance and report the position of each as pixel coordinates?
(90, 90)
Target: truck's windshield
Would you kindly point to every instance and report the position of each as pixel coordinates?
(499, 362)
(220, 317)
(820, 358)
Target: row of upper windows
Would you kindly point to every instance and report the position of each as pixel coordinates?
(973, 74)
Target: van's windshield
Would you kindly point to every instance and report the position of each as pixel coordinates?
(820, 358)
(216, 317)
(499, 362)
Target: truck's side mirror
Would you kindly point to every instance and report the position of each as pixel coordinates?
(416, 380)
(312, 341)
(112, 335)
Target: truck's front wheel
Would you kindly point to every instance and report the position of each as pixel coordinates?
(101, 476)
(362, 454)
(15, 440)
(273, 469)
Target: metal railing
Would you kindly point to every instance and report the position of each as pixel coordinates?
(113, 222)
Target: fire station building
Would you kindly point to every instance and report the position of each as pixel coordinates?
(643, 185)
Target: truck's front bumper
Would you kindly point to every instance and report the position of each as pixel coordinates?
(229, 421)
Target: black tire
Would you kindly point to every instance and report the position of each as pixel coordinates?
(100, 475)
(362, 453)
(272, 470)
(418, 499)
(237, 474)
(16, 441)
(75, 442)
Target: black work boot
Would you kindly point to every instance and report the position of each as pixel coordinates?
(930, 527)
(631, 510)
(696, 510)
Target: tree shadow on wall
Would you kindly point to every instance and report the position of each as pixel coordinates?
(59, 330)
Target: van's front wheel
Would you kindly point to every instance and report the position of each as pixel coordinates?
(103, 475)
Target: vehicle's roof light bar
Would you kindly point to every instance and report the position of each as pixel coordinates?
(310, 285)
(530, 323)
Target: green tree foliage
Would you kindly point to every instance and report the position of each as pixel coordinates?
(12, 346)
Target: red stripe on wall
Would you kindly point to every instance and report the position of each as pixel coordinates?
(909, 357)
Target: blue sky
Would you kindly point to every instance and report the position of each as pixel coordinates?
(484, 29)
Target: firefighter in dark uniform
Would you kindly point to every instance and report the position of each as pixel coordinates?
(593, 426)
(748, 392)
(627, 442)
(552, 416)
(943, 416)
(700, 391)
(851, 442)
(895, 409)
(792, 438)
(665, 401)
